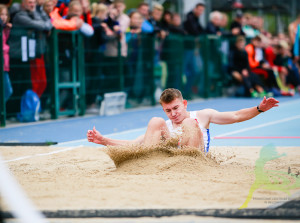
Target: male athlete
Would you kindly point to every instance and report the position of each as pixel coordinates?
(191, 127)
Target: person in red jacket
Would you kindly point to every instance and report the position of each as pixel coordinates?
(261, 67)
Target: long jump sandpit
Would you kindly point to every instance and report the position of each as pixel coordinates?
(82, 182)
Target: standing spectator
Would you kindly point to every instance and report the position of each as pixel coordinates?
(124, 22)
(48, 7)
(60, 23)
(95, 49)
(213, 26)
(102, 31)
(62, 6)
(135, 78)
(192, 24)
(166, 20)
(28, 18)
(75, 11)
(155, 19)
(37, 65)
(236, 26)
(86, 11)
(39, 7)
(14, 9)
(6, 26)
(143, 9)
(192, 58)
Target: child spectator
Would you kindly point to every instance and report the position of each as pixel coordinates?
(99, 14)
(176, 25)
(6, 26)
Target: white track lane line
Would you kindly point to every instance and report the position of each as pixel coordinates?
(260, 126)
(43, 154)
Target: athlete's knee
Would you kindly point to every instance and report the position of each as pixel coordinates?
(157, 122)
(190, 122)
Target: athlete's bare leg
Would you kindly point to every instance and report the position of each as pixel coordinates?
(192, 135)
(156, 131)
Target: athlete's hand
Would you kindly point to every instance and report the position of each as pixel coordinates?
(95, 136)
(267, 104)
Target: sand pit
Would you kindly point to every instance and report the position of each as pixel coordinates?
(87, 178)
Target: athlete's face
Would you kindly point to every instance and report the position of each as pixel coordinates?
(176, 110)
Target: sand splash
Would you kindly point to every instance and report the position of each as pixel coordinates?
(137, 155)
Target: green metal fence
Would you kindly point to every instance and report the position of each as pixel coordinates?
(79, 71)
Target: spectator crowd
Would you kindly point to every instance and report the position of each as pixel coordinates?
(259, 63)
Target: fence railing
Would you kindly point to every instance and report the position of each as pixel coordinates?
(70, 72)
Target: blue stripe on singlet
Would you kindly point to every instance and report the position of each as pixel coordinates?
(208, 141)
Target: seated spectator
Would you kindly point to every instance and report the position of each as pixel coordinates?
(213, 26)
(241, 72)
(290, 77)
(223, 24)
(260, 66)
(192, 25)
(237, 24)
(176, 25)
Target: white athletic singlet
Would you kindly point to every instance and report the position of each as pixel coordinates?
(178, 130)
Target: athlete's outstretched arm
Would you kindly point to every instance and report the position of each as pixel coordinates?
(96, 137)
(243, 114)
